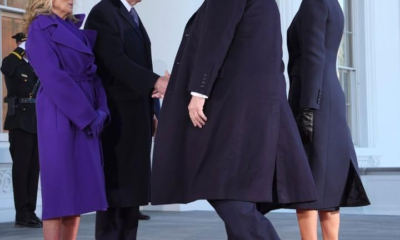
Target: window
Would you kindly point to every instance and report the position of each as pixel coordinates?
(347, 70)
(14, 3)
(17, 3)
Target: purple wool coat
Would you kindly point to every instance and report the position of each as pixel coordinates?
(71, 161)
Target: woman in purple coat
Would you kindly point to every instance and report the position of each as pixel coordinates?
(71, 111)
(318, 102)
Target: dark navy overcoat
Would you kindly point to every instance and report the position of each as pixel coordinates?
(313, 40)
(123, 54)
(250, 149)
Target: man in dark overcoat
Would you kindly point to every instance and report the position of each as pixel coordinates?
(20, 121)
(226, 131)
(123, 52)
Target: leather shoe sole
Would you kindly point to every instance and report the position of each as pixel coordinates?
(28, 225)
(144, 217)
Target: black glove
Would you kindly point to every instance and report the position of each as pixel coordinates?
(305, 123)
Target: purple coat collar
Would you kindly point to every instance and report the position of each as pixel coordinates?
(63, 36)
(48, 20)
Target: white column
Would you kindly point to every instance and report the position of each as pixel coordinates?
(165, 22)
(84, 6)
(384, 37)
(287, 10)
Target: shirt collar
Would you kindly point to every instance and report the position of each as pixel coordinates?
(22, 45)
(127, 5)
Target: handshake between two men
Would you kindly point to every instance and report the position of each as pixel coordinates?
(161, 86)
(195, 107)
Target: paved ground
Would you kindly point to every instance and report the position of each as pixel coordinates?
(207, 226)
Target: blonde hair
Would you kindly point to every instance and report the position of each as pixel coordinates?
(34, 8)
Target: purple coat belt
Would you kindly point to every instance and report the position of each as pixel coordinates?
(71, 161)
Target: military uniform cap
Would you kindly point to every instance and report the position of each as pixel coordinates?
(19, 37)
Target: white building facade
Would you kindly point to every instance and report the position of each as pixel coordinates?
(368, 68)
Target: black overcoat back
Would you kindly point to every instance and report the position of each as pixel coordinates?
(250, 149)
(313, 41)
(124, 62)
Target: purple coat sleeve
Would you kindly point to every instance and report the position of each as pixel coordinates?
(218, 30)
(57, 84)
(313, 23)
(102, 98)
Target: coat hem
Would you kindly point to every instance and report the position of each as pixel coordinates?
(74, 213)
(258, 201)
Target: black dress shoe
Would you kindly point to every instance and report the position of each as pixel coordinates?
(28, 223)
(143, 217)
(35, 218)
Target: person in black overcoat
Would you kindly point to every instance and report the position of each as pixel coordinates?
(319, 104)
(20, 79)
(123, 52)
(226, 131)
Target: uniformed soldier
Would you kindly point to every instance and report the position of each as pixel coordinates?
(22, 84)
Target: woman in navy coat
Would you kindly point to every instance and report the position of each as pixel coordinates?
(318, 102)
(248, 150)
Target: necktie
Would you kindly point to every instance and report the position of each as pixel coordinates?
(135, 16)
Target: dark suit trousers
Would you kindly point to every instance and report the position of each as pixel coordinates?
(243, 221)
(25, 171)
(117, 224)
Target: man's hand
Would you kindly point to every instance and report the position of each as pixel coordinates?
(161, 86)
(155, 125)
(196, 111)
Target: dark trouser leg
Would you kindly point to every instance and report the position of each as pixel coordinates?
(33, 175)
(130, 223)
(22, 146)
(243, 221)
(117, 224)
(107, 223)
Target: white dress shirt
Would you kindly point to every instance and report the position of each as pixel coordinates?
(127, 5)
(22, 45)
(199, 95)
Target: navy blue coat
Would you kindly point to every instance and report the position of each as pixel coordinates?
(313, 40)
(123, 55)
(250, 149)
